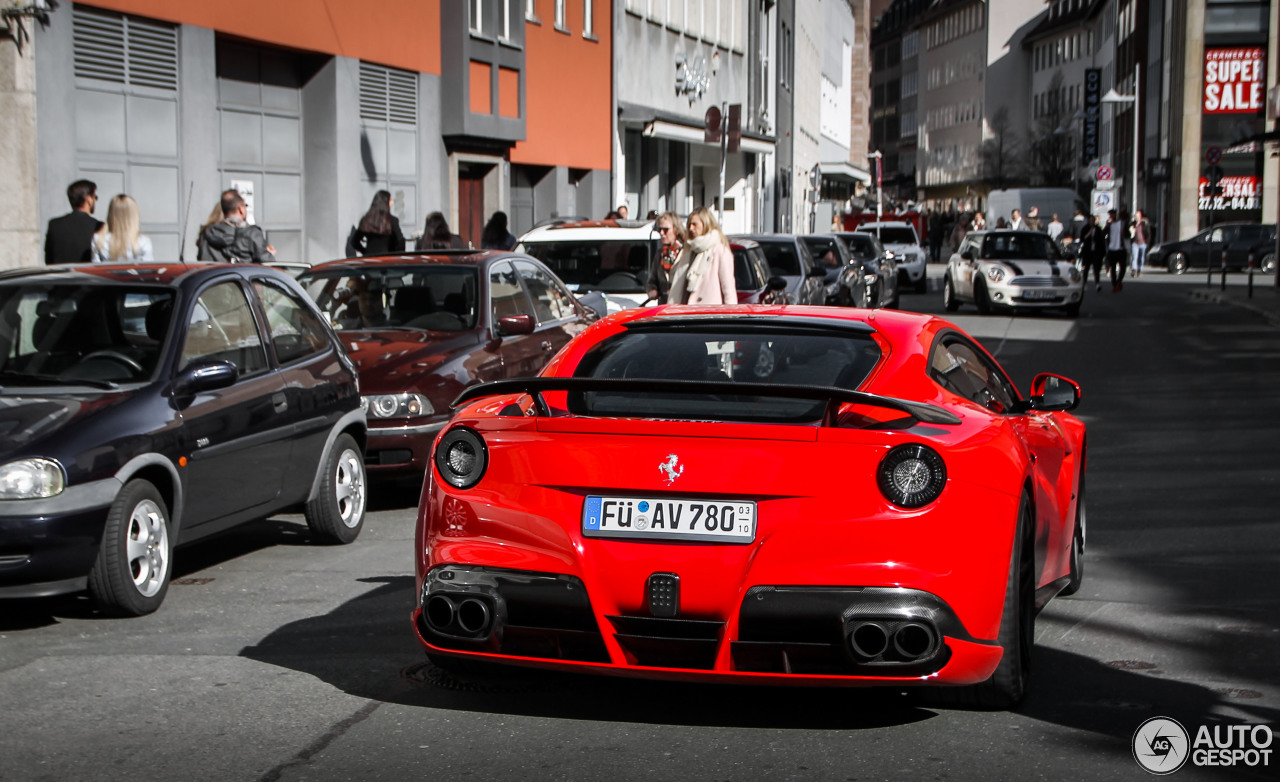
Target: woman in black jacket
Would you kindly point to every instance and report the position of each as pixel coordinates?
(378, 231)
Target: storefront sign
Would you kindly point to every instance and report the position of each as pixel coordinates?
(1238, 192)
(1092, 109)
(1235, 81)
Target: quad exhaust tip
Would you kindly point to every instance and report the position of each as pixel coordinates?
(467, 616)
(889, 642)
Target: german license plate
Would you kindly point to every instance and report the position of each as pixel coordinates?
(1038, 294)
(663, 518)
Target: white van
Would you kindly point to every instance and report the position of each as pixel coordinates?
(1049, 201)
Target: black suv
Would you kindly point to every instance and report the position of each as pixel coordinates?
(148, 405)
(1238, 240)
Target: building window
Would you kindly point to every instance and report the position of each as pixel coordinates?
(531, 10)
(477, 16)
(909, 85)
(910, 45)
(588, 14)
(561, 21)
(908, 126)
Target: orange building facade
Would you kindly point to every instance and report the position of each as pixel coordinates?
(309, 107)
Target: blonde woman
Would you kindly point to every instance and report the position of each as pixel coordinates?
(120, 238)
(671, 233)
(704, 273)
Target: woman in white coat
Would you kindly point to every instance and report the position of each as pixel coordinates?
(704, 272)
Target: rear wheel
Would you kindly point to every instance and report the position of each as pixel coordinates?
(1178, 263)
(337, 513)
(1268, 265)
(1008, 684)
(949, 300)
(131, 574)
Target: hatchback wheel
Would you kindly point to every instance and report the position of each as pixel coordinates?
(131, 574)
(1178, 263)
(949, 300)
(336, 515)
(1268, 265)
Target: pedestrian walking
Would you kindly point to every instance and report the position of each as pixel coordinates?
(495, 235)
(960, 231)
(1093, 248)
(121, 237)
(437, 236)
(232, 239)
(1117, 252)
(1055, 228)
(69, 239)
(672, 237)
(378, 232)
(1015, 220)
(979, 221)
(1140, 236)
(1032, 220)
(704, 272)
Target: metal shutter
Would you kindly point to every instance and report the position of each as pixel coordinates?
(388, 94)
(125, 49)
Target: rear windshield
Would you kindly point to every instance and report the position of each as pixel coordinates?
(824, 249)
(801, 357)
(427, 297)
(863, 247)
(609, 266)
(892, 235)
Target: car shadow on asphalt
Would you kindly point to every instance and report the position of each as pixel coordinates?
(366, 647)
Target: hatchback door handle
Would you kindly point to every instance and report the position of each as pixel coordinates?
(279, 402)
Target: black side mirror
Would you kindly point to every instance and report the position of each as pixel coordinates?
(1054, 392)
(204, 376)
(967, 255)
(776, 284)
(512, 325)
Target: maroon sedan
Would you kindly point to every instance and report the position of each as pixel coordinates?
(421, 327)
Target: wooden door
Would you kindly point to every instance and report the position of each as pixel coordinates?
(471, 215)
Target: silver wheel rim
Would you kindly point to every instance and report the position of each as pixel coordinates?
(349, 488)
(147, 548)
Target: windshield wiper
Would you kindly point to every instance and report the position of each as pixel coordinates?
(26, 378)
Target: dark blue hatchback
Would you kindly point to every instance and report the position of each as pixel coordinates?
(142, 406)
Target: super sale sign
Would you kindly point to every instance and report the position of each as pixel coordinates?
(1234, 81)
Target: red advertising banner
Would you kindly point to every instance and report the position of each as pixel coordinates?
(1238, 192)
(1235, 81)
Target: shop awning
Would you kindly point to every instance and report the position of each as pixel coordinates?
(845, 171)
(659, 128)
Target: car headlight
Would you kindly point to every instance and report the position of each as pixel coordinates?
(31, 479)
(995, 273)
(396, 405)
(461, 457)
(911, 476)
(1073, 273)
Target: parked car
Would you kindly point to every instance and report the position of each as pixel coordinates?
(647, 507)
(1012, 270)
(833, 254)
(421, 327)
(879, 270)
(150, 405)
(790, 259)
(1205, 249)
(900, 239)
(755, 282)
(613, 257)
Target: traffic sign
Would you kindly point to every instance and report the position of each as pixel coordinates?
(1213, 155)
(1102, 202)
(1104, 173)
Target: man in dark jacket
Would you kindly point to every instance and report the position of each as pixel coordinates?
(70, 237)
(233, 239)
(1093, 248)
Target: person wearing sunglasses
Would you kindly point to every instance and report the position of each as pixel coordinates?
(672, 235)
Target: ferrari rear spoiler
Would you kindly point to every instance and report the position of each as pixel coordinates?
(535, 386)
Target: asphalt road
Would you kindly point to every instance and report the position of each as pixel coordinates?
(273, 659)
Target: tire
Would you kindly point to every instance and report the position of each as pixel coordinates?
(1268, 264)
(1076, 575)
(949, 300)
(981, 298)
(336, 515)
(131, 574)
(1008, 684)
(1178, 263)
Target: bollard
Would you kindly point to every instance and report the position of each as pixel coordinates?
(1224, 270)
(1251, 274)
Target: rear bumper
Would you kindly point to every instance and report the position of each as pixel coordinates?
(400, 449)
(793, 635)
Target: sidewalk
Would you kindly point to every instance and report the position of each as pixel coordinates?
(1265, 300)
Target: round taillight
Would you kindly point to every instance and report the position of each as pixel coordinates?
(911, 476)
(461, 458)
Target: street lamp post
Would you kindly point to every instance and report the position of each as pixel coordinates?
(1114, 97)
